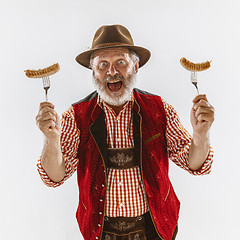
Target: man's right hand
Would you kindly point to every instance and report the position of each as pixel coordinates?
(48, 121)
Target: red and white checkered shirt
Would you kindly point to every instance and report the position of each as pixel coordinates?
(125, 192)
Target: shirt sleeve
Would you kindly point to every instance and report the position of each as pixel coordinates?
(70, 139)
(179, 141)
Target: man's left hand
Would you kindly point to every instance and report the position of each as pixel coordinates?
(202, 117)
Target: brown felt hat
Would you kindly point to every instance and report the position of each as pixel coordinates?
(112, 36)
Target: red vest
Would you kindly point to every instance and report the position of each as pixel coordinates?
(149, 125)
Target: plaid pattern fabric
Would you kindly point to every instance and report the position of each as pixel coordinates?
(125, 195)
(119, 128)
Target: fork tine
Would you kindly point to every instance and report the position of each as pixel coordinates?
(48, 81)
(46, 86)
(194, 80)
(194, 76)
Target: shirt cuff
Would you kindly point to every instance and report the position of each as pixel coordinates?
(206, 167)
(45, 178)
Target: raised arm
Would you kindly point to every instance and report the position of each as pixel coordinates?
(202, 117)
(52, 161)
(179, 142)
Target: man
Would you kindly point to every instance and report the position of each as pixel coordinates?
(119, 140)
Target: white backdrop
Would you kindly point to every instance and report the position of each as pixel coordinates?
(36, 34)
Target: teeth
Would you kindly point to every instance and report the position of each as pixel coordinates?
(113, 81)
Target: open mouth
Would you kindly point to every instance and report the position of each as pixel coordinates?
(114, 86)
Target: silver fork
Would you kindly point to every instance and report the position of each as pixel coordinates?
(194, 80)
(46, 86)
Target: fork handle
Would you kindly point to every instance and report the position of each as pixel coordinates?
(46, 96)
(195, 84)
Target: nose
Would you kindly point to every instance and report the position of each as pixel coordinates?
(112, 70)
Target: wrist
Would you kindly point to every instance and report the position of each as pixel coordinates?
(52, 147)
(52, 141)
(201, 140)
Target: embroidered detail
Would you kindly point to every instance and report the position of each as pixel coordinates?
(84, 206)
(167, 194)
(152, 138)
(107, 237)
(121, 159)
(136, 237)
(122, 225)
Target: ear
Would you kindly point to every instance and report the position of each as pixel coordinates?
(136, 66)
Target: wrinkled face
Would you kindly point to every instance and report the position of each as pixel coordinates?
(114, 74)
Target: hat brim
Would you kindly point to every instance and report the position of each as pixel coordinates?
(143, 54)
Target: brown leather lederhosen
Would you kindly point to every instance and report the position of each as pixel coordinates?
(128, 228)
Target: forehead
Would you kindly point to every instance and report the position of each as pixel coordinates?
(112, 52)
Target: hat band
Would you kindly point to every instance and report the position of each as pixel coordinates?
(111, 44)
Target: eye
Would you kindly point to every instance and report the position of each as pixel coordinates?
(102, 65)
(121, 62)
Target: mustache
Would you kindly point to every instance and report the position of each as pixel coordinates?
(115, 77)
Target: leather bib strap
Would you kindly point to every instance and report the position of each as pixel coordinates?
(122, 158)
(129, 228)
(138, 235)
(124, 228)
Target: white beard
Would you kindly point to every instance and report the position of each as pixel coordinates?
(115, 99)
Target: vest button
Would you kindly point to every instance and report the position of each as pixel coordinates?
(100, 213)
(99, 225)
(97, 237)
(103, 185)
(101, 200)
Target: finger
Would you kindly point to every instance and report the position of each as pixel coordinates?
(45, 104)
(205, 117)
(201, 103)
(46, 116)
(47, 109)
(200, 110)
(46, 125)
(199, 97)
